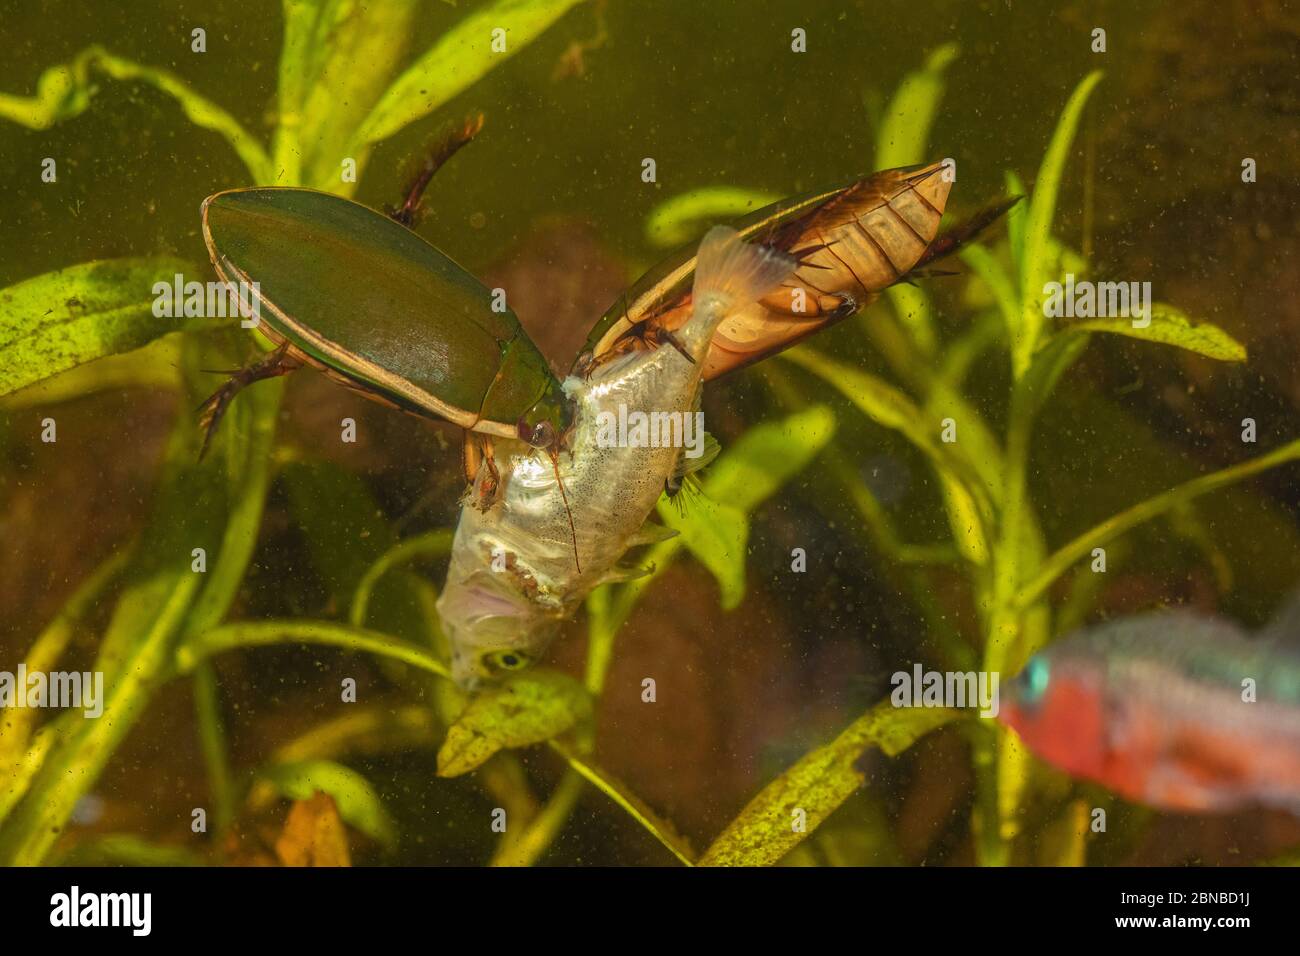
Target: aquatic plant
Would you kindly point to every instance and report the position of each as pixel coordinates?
(996, 537)
(339, 93)
(170, 620)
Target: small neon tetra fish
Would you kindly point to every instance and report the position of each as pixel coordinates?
(1173, 709)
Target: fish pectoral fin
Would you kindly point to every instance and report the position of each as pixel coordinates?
(651, 533)
(619, 573)
(689, 466)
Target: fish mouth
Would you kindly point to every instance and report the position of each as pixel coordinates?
(467, 673)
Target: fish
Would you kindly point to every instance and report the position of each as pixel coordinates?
(557, 527)
(1177, 710)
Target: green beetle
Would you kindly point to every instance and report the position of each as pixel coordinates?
(359, 295)
(363, 298)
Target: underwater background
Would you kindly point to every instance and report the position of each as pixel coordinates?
(754, 668)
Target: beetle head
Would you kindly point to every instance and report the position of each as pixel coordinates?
(541, 434)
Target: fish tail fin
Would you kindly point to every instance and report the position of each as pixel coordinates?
(730, 272)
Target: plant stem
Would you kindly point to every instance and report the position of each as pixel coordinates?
(76, 760)
(267, 632)
(660, 829)
(545, 827)
(212, 740)
(433, 544)
(1111, 528)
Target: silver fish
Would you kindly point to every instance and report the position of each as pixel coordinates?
(557, 529)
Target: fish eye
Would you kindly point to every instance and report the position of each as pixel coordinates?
(1034, 680)
(509, 660)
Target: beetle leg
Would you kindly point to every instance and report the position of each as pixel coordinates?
(953, 239)
(848, 305)
(443, 149)
(666, 336)
(471, 456)
(273, 364)
(478, 455)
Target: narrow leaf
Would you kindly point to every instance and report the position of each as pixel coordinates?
(617, 791)
(717, 534)
(906, 126)
(891, 408)
(767, 456)
(1050, 364)
(715, 525)
(1170, 326)
(66, 90)
(357, 801)
(1038, 224)
(269, 632)
(56, 321)
(353, 53)
(807, 793)
(524, 710)
(457, 60)
(677, 221)
(1101, 534)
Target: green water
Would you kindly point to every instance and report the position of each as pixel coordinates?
(550, 200)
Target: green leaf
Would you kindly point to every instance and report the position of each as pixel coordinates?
(459, 58)
(1038, 226)
(984, 265)
(901, 141)
(677, 221)
(965, 493)
(1049, 365)
(66, 90)
(358, 802)
(265, 633)
(717, 534)
(715, 525)
(767, 456)
(60, 95)
(817, 784)
(523, 710)
(1170, 326)
(1100, 535)
(56, 321)
(155, 366)
(337, 66)
(1016, 218)
(431, 544)
(616, 790)
(910, 115)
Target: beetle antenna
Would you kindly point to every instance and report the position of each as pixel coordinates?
(573, 532)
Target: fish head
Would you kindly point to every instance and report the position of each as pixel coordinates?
(492, 631)
(1057, 706)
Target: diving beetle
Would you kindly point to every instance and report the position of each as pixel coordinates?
(421, 334)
